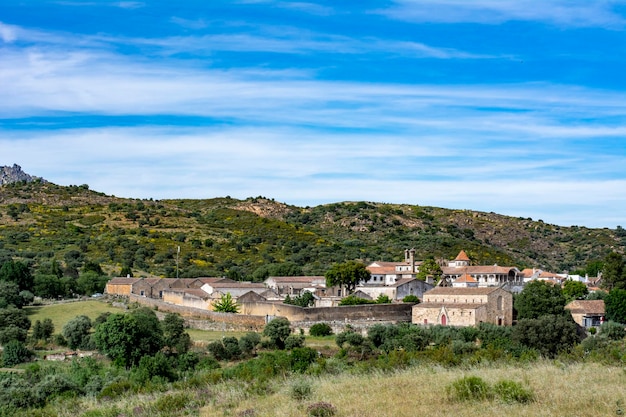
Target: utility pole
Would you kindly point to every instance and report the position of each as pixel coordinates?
(177, 253)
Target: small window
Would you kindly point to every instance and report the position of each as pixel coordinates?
(142, 293)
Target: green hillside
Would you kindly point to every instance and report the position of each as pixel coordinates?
(249, 239)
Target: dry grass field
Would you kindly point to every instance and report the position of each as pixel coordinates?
(578, 390)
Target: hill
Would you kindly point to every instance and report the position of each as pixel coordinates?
(252, 238)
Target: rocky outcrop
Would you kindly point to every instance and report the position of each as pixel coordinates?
(13, 174)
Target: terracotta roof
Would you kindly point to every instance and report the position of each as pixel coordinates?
(472, 306)
(297, 279)
(237, 285)
(477, 269)
(462, 290)
(465, 278)
(587, 306)
(462, 256)
(383, 270)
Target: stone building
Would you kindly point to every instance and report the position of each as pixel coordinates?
(465, 306)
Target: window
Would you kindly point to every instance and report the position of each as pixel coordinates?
(499, 302)
(142, 293)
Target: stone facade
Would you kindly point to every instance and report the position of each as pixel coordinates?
(465, 306)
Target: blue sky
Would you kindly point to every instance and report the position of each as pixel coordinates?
(516, 107)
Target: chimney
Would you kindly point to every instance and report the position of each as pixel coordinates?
(412, 259)
(406, 255)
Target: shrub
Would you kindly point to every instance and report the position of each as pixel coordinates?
(294, 341)
(302, 358)
(278, 330)
(353, 300)
(411, 298)
(513, 392)
(300, 389)
(548, 334)
(171, 403)
(321, 409)
(469, 388)
(383, 299)
(15, 353)
(76, 332)
(218, 350)
(249, 342)
(321, 329)
(613, 330)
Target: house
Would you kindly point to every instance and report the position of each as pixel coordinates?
(465, 306)
(587, 313)
(388, 273)
(397, 290)
(188, 297)
(532, 274)
(294, 286)
(235, 288)
(120, 286)
(484, 275)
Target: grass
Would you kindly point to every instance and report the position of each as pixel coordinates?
(63, 312)
(561, 390)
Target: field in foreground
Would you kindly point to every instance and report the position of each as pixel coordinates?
(560, 389)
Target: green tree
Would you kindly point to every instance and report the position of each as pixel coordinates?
(278, 330)
(14, 325)
(306, 299)
(175, 338)
(615, 306)
(574, 290)
(14, 353)
(539, 298)
(17, 272)
(347, 274)
(383, 299)
(43, 330)
(48, 286)
(429, 267)
(614, 272)
(125, 338)
(549, 334)
(10, 295)
(226, 304)
(77, 332)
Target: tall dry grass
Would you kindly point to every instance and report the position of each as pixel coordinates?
(561, 390)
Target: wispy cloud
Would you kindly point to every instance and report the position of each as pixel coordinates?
(567, 13)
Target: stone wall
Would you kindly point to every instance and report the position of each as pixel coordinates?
(204, 319)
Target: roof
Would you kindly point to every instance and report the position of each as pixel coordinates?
(237, 284)
(298, 279)
(462, 256)
(383, 270)
(123, 281)
(464, 306)
(194, 292)
(478, 269)
(465, 278)
(595, 307)
(462, 290)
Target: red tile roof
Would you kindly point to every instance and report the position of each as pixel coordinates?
(462, 256)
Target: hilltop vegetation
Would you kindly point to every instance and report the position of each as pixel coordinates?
(257, 237)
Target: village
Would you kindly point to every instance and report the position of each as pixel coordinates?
(464, 295)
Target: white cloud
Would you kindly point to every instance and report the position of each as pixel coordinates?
(8, 33)
(567, 13)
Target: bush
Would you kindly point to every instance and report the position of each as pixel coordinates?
(76, 332)
(249, 342)
(302, 358)
(15, 353)
(320, 329)
(469, 388)
(294, 341)
(321, 409)
(278, 330)
(353, 300)
(513, 392)
(548, 334)
(300, 389)
(411, 299)
(613, 330)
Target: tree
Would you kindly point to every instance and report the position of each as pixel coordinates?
(615, 305)
(574, 290)
(175, 338)
(48, 286)
(347, 274)
(10, 295)
(15, 353)
(125, 338)
(539, 298)
(14, 325)
(429, 267)
(278, 330)
(18, 273)
(383, 299)
(306, 299)
(549, 334)
(614, 272)
(226, 304)
(77, 332)
(43, 330)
